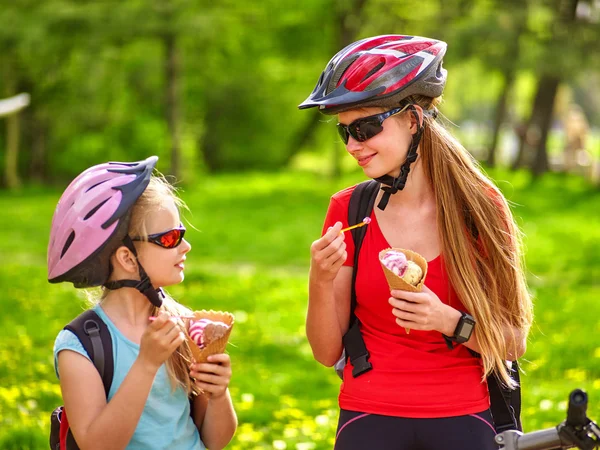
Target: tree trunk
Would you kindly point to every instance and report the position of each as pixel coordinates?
(37, 168)
(517, 27)
(172, 107)
(13, 126)
(532, 135)
(303, 136)
(11, 170)
(535, 134)
(509, 78)
(548, 88)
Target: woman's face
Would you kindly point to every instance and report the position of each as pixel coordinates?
(164, 266)
(385, 152)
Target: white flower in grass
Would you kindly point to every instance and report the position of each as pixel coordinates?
(247, 398)
(279, 445)
(322, 420)
(305, 445)
(546, 405)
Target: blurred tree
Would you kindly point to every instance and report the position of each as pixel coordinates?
(347, 20)
(261, 65)
(512, 20)
(217, 84)
(563, 35)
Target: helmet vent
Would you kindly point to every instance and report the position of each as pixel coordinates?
(373, 70)
(339, 72)
(97, 184)
(96, 208)
(68, 243)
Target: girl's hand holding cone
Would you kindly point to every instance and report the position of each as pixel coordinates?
(212, 376)
(423, 311)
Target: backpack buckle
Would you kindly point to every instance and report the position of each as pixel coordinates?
(360, 365)
(91, 328)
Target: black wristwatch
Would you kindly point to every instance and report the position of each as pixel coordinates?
(462, 332)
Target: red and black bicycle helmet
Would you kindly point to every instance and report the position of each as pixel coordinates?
(382, 71)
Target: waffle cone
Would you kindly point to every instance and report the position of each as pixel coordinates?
(216, 346)
(398, 283)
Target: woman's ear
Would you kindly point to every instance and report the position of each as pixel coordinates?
(124, 258)
(413, 121)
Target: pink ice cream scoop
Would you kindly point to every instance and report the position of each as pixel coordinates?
(199, 330)
(398, 263)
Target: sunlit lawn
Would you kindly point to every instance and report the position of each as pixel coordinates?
(250, 256)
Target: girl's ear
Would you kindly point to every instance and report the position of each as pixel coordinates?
(413, 121)
(124, 258)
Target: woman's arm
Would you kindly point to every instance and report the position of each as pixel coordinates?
(328, 315)
(425, 311)
(516, 344)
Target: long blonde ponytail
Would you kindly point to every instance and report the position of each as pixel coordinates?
(486, 271)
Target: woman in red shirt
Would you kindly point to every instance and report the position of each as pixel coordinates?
(426, 389)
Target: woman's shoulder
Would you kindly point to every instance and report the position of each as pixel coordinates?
(344, 195)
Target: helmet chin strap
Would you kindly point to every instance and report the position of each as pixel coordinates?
(143, 284)
(393, 185)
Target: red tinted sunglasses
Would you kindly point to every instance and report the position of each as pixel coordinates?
(166, 239)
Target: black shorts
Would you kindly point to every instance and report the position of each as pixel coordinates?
(360, 431)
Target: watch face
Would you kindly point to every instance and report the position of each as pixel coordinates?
(465, 330)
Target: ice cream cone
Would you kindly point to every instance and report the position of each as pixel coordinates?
(395, 281)
(217, 345)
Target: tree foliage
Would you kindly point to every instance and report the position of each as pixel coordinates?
(214, 85)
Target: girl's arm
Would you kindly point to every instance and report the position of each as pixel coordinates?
(96, 423)
(214, 415)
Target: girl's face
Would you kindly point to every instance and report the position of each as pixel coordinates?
(384, 153)
(164, 266)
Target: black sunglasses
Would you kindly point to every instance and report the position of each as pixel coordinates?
(366, 127)
(166, 239)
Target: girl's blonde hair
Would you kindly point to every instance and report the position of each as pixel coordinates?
(153, 198)
(486, 272)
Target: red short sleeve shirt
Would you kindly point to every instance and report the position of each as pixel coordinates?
(414, 375)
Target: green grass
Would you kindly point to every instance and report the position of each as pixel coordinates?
(250, 256)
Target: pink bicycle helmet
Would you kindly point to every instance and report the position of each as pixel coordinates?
(380, 71)
(91, 220)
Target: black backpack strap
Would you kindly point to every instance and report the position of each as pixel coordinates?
(94, 335)
(505, 403)
(360, 206)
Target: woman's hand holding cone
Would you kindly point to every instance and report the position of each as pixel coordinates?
(423, 311)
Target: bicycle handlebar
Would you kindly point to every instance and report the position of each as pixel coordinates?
(536, 440)
(576, 431)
